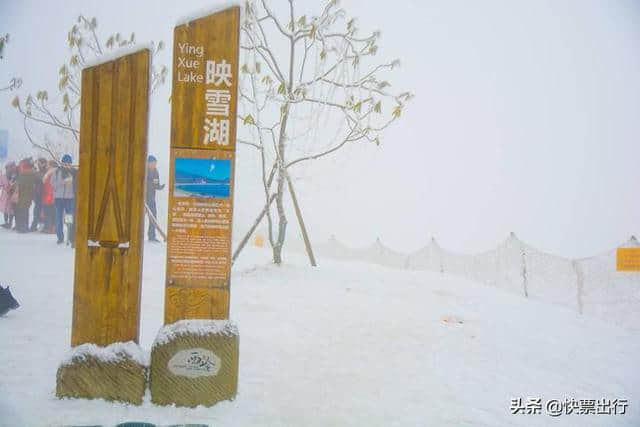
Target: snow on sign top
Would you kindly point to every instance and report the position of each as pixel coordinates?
(114, 353)
(202, 13)
(117, 54)
(195, 327)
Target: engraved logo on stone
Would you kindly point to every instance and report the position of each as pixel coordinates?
(194, 363)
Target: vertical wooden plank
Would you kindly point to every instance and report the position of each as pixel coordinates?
(201, 186)
(84, 207)
(110, 201)
(137, 196)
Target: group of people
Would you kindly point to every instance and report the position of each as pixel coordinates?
(48, 186)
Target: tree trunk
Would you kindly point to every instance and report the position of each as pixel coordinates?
(282, 217)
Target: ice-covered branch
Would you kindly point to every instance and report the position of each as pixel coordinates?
(39, 146)
(271, 16)
(14, 84)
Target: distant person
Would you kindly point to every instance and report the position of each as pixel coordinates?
(26, 183)
(37, 194)
(64, 195)
(153, 184)
(48, 201)
(7, 189)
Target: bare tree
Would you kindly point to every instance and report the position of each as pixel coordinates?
(15, 82)
(63, 114)
(309, 88)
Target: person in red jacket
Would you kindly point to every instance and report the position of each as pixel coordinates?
(48, 205)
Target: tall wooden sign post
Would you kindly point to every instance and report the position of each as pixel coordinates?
(109, 224)
(203, 141)
(110, 202)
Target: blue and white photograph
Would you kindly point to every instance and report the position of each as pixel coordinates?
(202, 177)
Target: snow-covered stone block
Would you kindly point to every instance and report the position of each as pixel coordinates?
(117, 372)
(195, 362)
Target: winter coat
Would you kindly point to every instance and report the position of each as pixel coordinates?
(37, 189)
(64, 183)
(153, 184)
(26, 188)
(47, 188)
(4, 194)
(7, 187)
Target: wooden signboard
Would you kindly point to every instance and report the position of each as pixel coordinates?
(203, 141)
(110, 201)
(628, 259)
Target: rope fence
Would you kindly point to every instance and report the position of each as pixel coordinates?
(590, 286)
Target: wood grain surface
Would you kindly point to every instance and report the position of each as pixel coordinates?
(110, 201)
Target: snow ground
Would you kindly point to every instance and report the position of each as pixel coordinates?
(346, 344)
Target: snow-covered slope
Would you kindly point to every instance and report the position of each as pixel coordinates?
(346, 344)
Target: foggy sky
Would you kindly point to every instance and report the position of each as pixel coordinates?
(526, 119)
